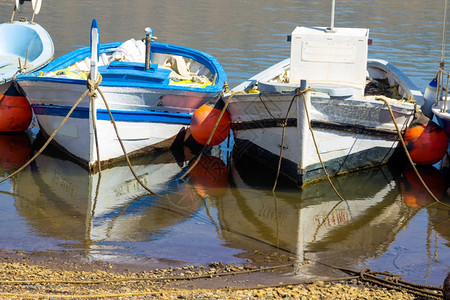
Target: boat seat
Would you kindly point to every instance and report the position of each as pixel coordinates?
(120, 71)
(340, 92)
(4, 63)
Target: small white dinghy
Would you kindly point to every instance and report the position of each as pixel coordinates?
(351, 125)
(24, 47)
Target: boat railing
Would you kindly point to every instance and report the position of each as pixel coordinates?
(443, 80)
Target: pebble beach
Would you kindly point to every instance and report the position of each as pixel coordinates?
(30, 278)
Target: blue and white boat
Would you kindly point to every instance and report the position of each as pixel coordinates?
(152, 101)
(24, 47)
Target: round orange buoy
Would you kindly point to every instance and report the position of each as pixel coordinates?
(15, 150)
(414, 193)
(203, 121)
(427, 143)
(15, 111)
(209, 176)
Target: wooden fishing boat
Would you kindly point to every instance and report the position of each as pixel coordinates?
(343, 98)
(25, 47)
(151, 100)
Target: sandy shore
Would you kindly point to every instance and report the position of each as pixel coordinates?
(28, 277)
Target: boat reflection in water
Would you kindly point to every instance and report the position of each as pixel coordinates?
(313, 223)
(61, 200)
(15, 150)
(229, 214)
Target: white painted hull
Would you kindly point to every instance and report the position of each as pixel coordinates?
(133, 120)
(351, 133)
(151, 107)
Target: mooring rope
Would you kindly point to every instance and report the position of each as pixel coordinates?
(93, 86)
(402, 141)
(284, 125)
(317, 149)
(222, 112)
(149, 279)
(388, 280)
(48, 140)
(123, 147)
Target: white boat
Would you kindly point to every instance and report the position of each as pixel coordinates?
(25, 47)
(152, 100)
(345, 106)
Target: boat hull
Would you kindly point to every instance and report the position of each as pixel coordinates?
(443, 119)
(140, 128)
(350, 134)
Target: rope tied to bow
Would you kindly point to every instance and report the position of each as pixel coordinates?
(284, 123)
(92, 86)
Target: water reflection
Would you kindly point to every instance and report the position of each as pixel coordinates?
(314, 224)
(60, 199)
(315, 220)
(224, 213)
(15, 150)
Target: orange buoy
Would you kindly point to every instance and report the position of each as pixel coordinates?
(427, 143)
(15, 150)
(209, 176)
(414, 193)
(15, 111)
(203, 121)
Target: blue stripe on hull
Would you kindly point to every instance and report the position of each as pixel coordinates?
(119, 115)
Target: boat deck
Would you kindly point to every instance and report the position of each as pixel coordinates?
(174, 69)
(8, 66)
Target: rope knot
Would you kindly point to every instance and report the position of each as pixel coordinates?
(363, 273)
(93, 86)
(282, 123)
(299, 92)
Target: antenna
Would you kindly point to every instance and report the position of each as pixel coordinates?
(331, 28)
(443, 36)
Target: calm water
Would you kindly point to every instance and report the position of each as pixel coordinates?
(225, 210)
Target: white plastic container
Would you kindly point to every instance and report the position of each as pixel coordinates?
(337, 58)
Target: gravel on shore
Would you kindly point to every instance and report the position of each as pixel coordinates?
(24, 278)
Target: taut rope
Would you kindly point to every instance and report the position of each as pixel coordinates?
(402, 141)
(48, 140)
